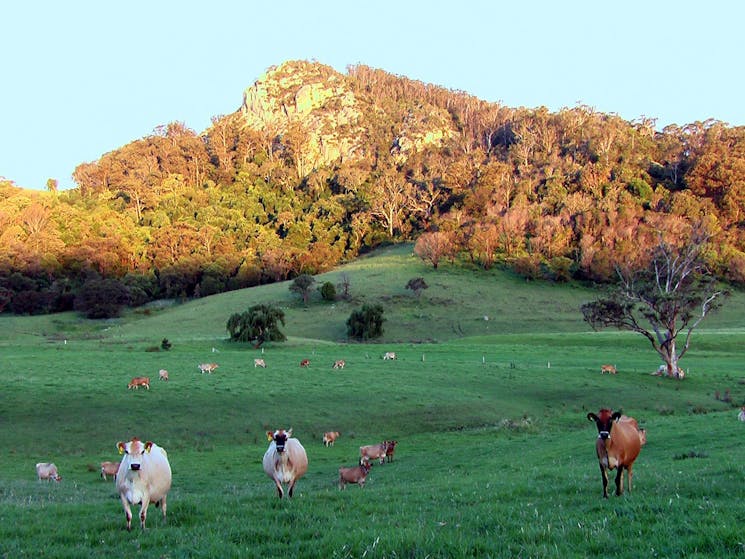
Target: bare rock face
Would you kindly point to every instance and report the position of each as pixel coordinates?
(311, 107)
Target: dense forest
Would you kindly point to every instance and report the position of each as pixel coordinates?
(351, 161)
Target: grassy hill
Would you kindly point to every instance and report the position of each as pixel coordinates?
(495, 457)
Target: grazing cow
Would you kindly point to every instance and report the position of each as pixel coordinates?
(339, 364)
(162, 374)
(109, 469)
(616, 449)
(610, 369)
(285, 460)
(389, 355)
(390, 448)
(741, 415)
(259, 363)
(329, 438)
(208, 367)
(144, 477)
(136, 382)
(357, 475)
(47, 471)
(305, 363)
(374, 451)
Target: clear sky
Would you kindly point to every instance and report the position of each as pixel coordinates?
(81, 78)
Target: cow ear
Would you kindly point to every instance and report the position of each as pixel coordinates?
(616, 416)
(592, 417)
(269, 435)
(120, 447)
(148, 446)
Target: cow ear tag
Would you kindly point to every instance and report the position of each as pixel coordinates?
(120, 446)
(148, 446)
(269, 436)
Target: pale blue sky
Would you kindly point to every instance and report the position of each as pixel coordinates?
(81, 78)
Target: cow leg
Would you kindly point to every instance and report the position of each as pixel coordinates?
(280, 491)
(630, 476)
(604, 477)
(143, 512)
(127, 513)
(163, 506)
(292, 487)
(619, 481)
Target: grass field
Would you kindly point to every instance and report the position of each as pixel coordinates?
(495, 455)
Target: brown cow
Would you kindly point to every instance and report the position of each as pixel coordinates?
(357, 475)
(208, 367)
(374, 451)
(610, 369)
(618, 449)
(339, 364)
(390, 448)
(329, 437)
(136, 382)
(305, 363)
(110, 469)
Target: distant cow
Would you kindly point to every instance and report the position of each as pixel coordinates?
(136, 382)
(47, 471)
(109, 469)
(339, 364)
(305, 363)
(390, 448)
(374, 451)
(285, 460)
(389, 355)
(162, 374)
(610, 369)
(144, 477)
(259, 363)
(329, 438)
(357, 475)
(741, 415)
(618, 449)
(208, 367)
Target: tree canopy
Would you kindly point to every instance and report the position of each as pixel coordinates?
(259, 324)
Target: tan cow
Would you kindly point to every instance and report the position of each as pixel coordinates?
(47, 471)
(162, 374)
(109, 469)
(374, 451)
(329, 438)
(136, 382)
(285, 460)
(339, 364)
(259, 363)
(208, 367)
(144, 477)
(357, 475)
(610, 369)
(617, 446)
(389, 355)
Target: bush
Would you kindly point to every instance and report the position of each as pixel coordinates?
(366, 323)
(102, 298)
(328, 291)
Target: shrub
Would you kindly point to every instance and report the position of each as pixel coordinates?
(366, 323)
(328, 291)
(101, 298)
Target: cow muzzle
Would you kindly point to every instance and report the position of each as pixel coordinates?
(604, 435)
(135, 467)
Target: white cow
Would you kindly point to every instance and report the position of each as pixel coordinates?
(144, 477)
(259, 363)
(285, 460)
(389, 355)
(47, 470)
(741, 415)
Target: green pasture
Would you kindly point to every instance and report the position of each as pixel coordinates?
(488, 400)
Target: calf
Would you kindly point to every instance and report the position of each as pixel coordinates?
(618, 449)
(305, 363)
(162, 374)
(390, 448)
(389, 355)
(208, 367)
(47, 471)
(285, 460)
(339, 364)
(357, 475)
(144, 477)
(136, 382)
(374, 451)
(329, 438)
(610, 369)
(109, 469)
(259, 363)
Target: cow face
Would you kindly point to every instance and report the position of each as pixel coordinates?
(279, 437)
(604, 421)
(134, 451)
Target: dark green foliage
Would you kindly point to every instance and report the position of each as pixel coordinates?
(417, 285)
(257, 325)
(165, 344)
(366, 323)
(328, 291)
(101, 298)
(302, 285)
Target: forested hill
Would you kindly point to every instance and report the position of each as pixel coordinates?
(316, 166)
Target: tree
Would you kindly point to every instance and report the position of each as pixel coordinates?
(366, 323)
(303, 284)
(433, 247)
(417, 285)
(257, 325)
(673, 294)
(328, 291)
(102, 298)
